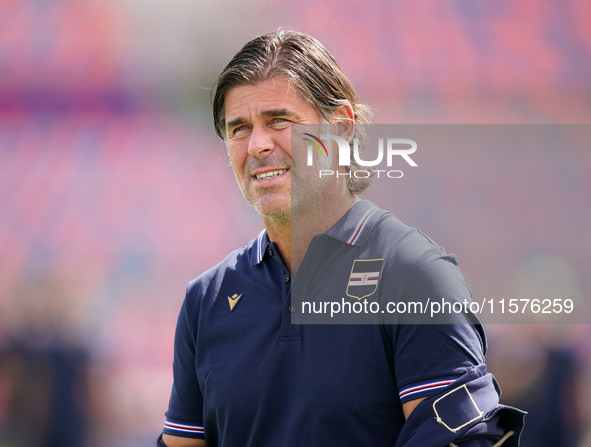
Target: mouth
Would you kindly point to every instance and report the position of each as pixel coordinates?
(270, 174)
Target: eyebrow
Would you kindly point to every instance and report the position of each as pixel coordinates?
(277, 112)
(266, 113)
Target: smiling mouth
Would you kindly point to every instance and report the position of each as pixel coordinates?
(270, 174)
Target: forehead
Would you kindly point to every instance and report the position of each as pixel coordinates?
(247, 101)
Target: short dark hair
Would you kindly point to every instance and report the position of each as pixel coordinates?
(307, 64)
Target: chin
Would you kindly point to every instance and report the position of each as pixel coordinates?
(274, 211)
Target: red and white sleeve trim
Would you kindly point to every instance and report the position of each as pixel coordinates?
(423, 389)
(178, 429)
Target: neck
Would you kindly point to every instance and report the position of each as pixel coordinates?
(293, 236)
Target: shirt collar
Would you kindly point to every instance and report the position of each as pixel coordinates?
(353, 228)
(259, 247)
(356, 225)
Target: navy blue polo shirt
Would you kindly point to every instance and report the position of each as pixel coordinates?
(244, 375)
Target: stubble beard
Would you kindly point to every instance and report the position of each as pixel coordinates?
(309, 191)
(280, 213)
(306, 190)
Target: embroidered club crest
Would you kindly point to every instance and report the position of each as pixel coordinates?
(364, 277)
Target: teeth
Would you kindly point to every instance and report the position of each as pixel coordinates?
(271, 174)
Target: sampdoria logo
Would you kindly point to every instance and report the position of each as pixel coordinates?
(392, 148)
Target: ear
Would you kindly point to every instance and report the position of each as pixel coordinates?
(344, 121)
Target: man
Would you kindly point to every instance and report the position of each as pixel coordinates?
(244, 375)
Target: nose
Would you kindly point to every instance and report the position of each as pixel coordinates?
(260, 144)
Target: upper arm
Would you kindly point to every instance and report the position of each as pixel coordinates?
(177, 441)
(428, 357)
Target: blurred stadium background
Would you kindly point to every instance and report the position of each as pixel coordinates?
(114, 191)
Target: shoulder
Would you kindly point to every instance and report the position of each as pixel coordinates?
(415, 265)
(203, 289)
(406, 252)
(406, 243)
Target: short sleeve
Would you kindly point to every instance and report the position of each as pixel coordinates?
(185, 411)
(428, 357)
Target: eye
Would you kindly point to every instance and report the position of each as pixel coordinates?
(239, 129)
(280, 122)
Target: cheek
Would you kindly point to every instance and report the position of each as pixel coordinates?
(283, 140)
(235, 156)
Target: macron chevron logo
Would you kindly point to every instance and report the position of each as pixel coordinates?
(233, 300)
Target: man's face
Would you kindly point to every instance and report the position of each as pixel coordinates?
(258, 128)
